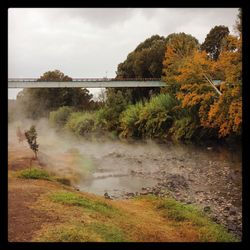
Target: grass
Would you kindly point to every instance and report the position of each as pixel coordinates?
(93, 232)
(86, 218)
(108, 232)
(67, 233)
(34, 173)
(73, 199)
(208, 230)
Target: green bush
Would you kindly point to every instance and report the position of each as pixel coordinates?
(129, 121)
(108, 116)
(60, 117)
(183, 129)
(81, 123)
(157, 116)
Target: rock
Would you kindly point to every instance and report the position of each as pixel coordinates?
(106, 195)
(132, 172)
(232, 211)
(232, 227)
(207, 209)
(130, 194)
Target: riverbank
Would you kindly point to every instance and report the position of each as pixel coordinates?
(46, 210)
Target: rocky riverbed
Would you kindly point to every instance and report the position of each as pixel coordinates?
(209, 177)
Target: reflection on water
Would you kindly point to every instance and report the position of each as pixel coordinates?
(114, 184)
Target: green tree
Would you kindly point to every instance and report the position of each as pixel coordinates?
(144, 62)
(214, 40)
(39, 102)
(31, 136)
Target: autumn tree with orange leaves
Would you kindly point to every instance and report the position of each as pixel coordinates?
(188, 72)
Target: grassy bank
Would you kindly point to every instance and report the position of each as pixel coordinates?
(80, 217)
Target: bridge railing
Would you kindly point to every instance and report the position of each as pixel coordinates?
(83, 79)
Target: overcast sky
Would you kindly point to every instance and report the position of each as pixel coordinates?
(87, 42)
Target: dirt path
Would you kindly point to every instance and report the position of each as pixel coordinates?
(22, 220)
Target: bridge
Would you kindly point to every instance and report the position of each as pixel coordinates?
(85, 83)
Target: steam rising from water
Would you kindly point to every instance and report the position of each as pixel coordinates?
(77, 158)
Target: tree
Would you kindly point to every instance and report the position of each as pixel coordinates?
(39, 102)
(144, 62)
(31, 136)
(221, 114)
(179, 47)
(238, 25)
(214, 40)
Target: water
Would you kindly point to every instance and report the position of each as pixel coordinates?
(116, 185)
(114, 165)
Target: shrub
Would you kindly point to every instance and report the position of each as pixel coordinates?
(129, 120)
(60, 117)
(108, 116)
(183, 129)
(81, 123)
(156, 116)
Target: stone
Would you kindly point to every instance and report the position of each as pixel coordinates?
(106, 195)
(130, 194)
(207, 209)
(232, 211)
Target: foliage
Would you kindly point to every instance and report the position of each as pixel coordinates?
(60, 117)
(213, 42)
(156, 117)
(31, 136)
(144, 62)
(34, 173)
(184, 129)
(211, 114)
(39, 102)
(81, 123)
(129, 121)
(108, 116)
(178, 48)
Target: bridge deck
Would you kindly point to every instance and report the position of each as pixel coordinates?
(84, 83)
